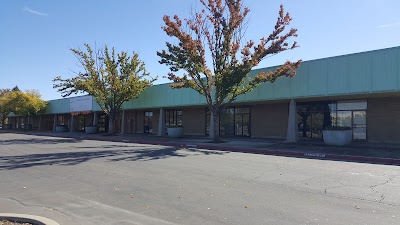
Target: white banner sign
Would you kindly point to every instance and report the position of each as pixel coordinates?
(79, 104)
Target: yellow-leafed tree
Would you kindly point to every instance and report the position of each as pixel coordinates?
(20, 103)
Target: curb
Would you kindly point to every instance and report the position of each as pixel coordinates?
(309, 155)
(25, 218)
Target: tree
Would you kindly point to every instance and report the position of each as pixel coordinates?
(217, 32)
(10, 101)
(3, 91)
(2, 118)
(31, 105)
(111, 79)
(20, 103)
(16, 88)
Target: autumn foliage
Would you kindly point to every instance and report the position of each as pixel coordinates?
(216, 33)
(26, 103)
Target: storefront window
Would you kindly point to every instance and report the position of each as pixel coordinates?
(313, 117)
(61, 120)
(352, 105)
(343, 118)
(173, 117)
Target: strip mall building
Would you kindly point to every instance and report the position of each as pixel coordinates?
(360, 90)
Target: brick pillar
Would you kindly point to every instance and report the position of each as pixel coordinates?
(161, 123)
(292, 122)
(54, 122)
(40, 123)
(123, 122)
(95, 118)
(72, 124)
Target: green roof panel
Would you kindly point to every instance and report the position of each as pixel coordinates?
(361, 73)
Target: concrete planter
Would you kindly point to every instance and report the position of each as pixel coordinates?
(7, 126)
(24, 218)
(91, 129)
(61, 128)
(175, 132)
(28, 127)
(337, 137)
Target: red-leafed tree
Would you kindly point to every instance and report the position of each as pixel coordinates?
(217, 32)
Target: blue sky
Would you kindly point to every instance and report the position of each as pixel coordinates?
(36, 35)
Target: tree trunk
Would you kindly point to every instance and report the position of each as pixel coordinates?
(214, 126)
(111, 118)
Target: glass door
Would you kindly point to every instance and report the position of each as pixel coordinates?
(148, 122)
(242, 121)
(227, 122)
(234, 121)
(81, 123)
(359, 125)
(102, 122)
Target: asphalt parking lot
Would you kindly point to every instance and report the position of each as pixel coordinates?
(97, 182)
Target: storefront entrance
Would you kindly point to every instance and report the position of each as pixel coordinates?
(234, 121)
(148, 124)
(102, 122)
(359, 125)
(81, 123)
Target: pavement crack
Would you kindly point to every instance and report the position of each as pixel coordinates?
(382, 198)
(383, 183)
(19, 202)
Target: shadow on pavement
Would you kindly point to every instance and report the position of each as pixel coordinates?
(39, 141)
(104, 146)
(74, 158)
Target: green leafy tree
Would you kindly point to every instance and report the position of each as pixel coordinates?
(111, 79)
(216, 32)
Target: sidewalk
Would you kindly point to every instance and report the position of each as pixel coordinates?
(356, 152)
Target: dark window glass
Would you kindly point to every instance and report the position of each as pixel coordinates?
(233, 121)
(81, 123)
(61, 120)
(227, 122)
(173, 117)
(148, 122)
(313, 117)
